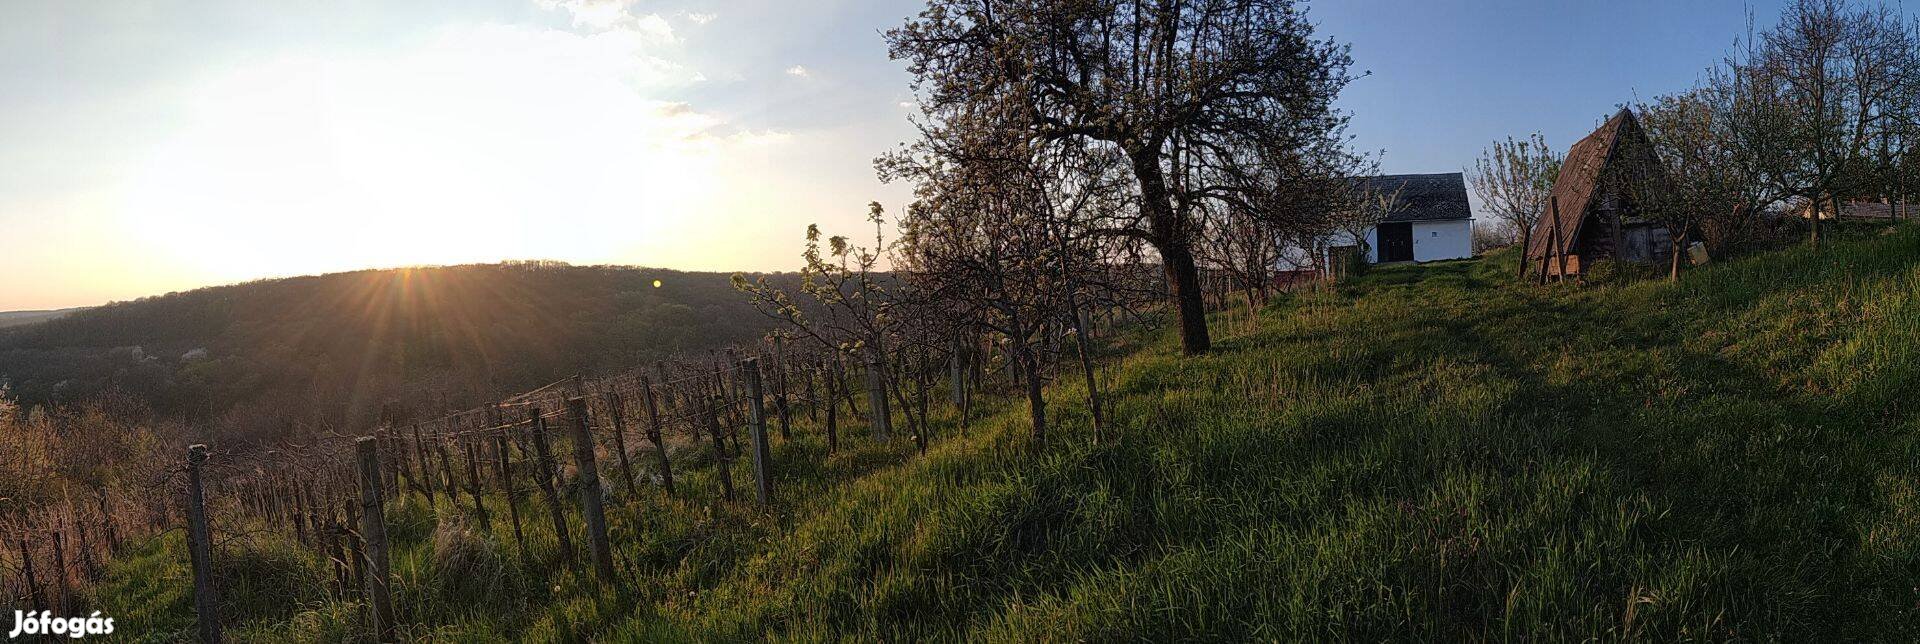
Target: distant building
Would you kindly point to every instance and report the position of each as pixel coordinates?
(1430, 220)
(1594, 198)
(1862, 208)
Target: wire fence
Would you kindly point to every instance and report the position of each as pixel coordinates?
(545, 455)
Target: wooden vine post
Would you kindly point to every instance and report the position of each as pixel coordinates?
(878, 419)
(356, 559)
(426, 468)
(373, 530)
(60, 573)
(780, 404)
(590, 494)
(830, 372)
(33, 585)
(543, 476)
(206, 598)
(513, 496)
(106, 520)
(654, 435)
(473, 486)
(719, 447)
(762, 458)
(614, 409)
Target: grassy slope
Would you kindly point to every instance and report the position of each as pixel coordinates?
(1429, 452)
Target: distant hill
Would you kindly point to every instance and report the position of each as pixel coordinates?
(271, 357)
(17, 318)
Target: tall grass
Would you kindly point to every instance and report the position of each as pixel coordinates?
(1427, 452)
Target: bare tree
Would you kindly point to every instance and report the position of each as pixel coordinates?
(1514, 179)
(1845, 73)
(1194, 93)
(849, 304)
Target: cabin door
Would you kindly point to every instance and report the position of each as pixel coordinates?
(1396, 242)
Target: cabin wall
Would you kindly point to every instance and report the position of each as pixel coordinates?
(1644, 242)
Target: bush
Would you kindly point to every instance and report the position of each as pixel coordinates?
(469, 567)
(267, 577)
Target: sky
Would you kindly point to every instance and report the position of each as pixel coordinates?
(149, 146)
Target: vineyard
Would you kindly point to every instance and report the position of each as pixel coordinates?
(1420, 434)
(562, 469)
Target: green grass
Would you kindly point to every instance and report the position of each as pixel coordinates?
(1427, 452)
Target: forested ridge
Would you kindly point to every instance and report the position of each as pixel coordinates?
(267, 358)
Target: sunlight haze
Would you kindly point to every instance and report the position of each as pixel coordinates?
(151, 147)
(327, 140)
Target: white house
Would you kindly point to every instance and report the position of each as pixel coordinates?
(1429, 220)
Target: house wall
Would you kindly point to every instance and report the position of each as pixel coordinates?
(1437, 240)
(1432, 240)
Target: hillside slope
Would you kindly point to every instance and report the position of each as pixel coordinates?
(1428, 452)
(277, 355)
(20, 318)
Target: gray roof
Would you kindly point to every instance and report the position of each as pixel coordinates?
(1424, 197)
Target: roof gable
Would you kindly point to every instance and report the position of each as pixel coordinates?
(1579, 181)
(1421, 197)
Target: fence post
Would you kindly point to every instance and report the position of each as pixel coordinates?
(614, 404)
(33, 585)
(60, 572)
(513, 496)
(590, 493)
(299, 515)
(373, 530)
(356, 561)
(206, 598)
(780, 403)
(762, 460)
(452, 486)
(88, 571)
(654, 435)
(719, 448)
(333, 539)
(879, 418)
(473, 486)
(106, 519)
(813, 401)
(830, 375)
(426, 469)
(543, 475)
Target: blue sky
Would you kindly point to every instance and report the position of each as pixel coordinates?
(151, 146)
(1448, 77)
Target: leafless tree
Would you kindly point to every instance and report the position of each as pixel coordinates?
(1514, 179)
(1193, 93)
(1844, 73)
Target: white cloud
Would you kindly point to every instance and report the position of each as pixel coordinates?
(699, 18)
(799, 71)
(612, 15)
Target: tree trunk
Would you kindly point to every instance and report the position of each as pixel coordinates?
(1813, 232)
(1525, 236)
(1679, 246)
(1086, 368)
(1036, 404)
(1176, 253)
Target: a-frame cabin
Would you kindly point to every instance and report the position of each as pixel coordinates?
(1600, 195)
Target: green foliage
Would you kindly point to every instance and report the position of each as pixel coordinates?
(1433, 452)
